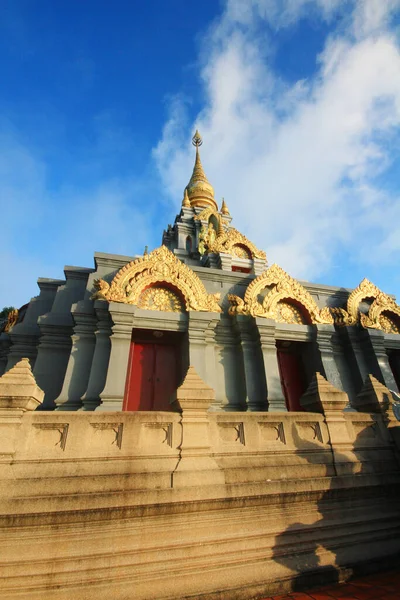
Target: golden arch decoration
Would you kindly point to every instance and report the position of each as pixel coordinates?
(227, 240)
(383, 313)
(284, 293)
(159, 270)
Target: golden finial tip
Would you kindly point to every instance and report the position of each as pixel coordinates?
(224, 208)
(186, 201)
(197, 140)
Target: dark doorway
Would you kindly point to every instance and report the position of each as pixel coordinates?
(292, 373)
(154, 370)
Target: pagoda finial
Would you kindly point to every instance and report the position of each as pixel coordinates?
(224, 208)
(186, 201)
(200, 191)
(197, 140)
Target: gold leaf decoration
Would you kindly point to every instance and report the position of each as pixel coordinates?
(383, 313)
(12, 319)
(288, 313)
(228, 241)
(159, 269)
(282, 303)
(159, 298)
(240, 251)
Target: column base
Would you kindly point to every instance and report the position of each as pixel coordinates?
(278, 405)
(110, 404)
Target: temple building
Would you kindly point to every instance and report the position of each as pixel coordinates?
(194, 423)
(120, 336)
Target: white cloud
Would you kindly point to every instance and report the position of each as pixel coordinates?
(297, 163)
(373, 16)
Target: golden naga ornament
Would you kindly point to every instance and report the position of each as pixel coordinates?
(383, 314)
(12, 319)
(287, 301)
(158, 271)
(228, 241)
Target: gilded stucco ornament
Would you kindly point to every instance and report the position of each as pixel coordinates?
(229, 241)
(159, 269)
(383, 314)
(276, 304)
(224, 208)
(185, 201)
(12, 319)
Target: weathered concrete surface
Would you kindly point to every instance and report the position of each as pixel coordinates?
(191, 503)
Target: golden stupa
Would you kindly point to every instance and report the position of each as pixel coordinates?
(199, 189)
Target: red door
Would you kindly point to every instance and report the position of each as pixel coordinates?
(165, 381)
(292, 379)
(151, 378)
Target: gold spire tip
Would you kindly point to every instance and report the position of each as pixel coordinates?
(197, 140)
(224, 207)
(186, 201)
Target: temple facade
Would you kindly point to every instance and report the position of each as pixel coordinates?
(193, 423)
(121, 335)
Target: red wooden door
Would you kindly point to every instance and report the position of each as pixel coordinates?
(165, 381)
(151, 378)
(292, 379)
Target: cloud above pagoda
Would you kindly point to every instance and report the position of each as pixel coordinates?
(307, 166)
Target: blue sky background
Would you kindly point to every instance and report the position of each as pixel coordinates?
(298, 102)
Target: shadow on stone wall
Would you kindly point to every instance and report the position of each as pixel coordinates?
(342, 542)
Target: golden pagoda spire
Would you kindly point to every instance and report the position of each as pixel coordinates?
(224, 208)
(199, 189)
(185, 201)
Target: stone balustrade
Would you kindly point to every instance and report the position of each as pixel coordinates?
(193, 502)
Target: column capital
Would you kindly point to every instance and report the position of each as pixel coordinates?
(266, 329)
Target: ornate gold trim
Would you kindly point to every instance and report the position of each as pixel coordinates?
(12, 319)
(375, 318)
(283, 288)
(226, 239)
(159, 267)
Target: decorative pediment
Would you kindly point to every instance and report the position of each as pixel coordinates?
(158, 281)
(286, 301)
(228, 241)
(383, 314)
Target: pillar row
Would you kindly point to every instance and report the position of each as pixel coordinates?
(80, 360)
(256, 385)
(101, 357)
(201, 334)
(276, 399)
(112, 396)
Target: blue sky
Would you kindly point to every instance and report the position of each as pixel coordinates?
(298, 102)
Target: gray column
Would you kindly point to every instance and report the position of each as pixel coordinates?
(53, 355)
(276, 399)
(25, 336)
(230, 380)
(358, 358)
(112, 396)
(80, 360)
(385, 374)
(5, 343)
(256, 385)
(101, 357)
(326, 336)
(23, 345)
(201, 329)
